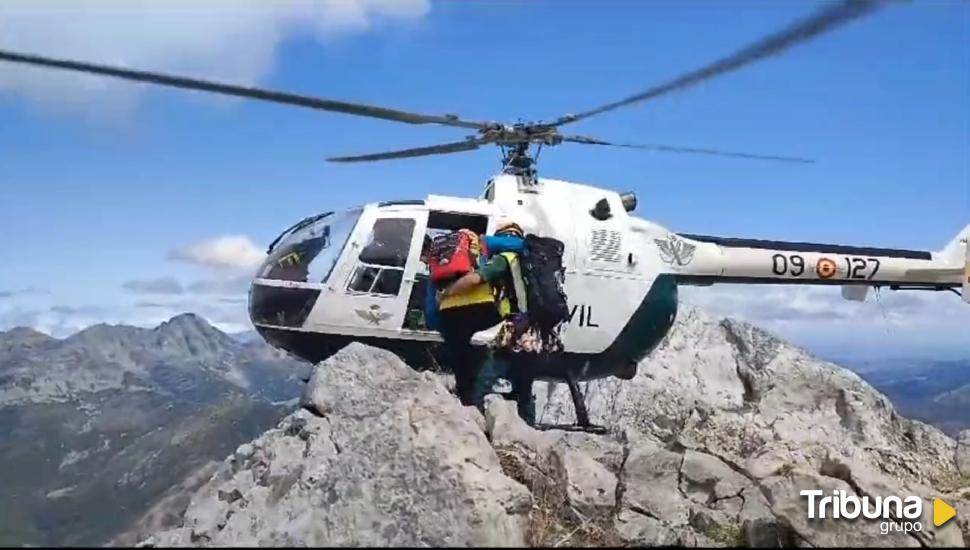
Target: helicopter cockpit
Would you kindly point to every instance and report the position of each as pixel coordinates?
(298, 263)
(308, 251)
(366, 264)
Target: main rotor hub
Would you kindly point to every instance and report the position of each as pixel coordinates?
(521, 133)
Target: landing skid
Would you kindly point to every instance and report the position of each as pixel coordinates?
(589, 428)
(582, 414)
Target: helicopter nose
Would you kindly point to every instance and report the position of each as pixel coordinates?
(280, 306)
(279, 314)
(309, 346)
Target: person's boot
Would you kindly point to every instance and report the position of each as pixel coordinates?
(488, 376)
(526, 405)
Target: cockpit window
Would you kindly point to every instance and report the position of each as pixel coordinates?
(374, 280)
(382, 260)
(309, 253)
(389, 242)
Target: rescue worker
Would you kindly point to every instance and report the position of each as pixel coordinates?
(501, 274)
(461, 313)
(430, 305)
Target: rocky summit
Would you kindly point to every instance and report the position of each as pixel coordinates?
(381, 455)
(709, 445)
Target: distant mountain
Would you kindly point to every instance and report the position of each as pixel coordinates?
(936, 392)
(23, 338)
(951, 410)
(247, 336)
(98, 425)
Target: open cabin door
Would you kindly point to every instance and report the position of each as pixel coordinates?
(439, 222)
(372, 291)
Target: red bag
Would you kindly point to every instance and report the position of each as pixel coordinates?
(453, 255)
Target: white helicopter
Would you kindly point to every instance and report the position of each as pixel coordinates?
(358, 275)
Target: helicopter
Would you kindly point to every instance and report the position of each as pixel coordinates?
(359, 274)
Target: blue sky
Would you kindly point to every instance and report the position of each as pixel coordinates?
(106, 187)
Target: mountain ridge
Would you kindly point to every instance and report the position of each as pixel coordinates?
(179, 353)
(709, 444)
(100, 423)
(717, 395)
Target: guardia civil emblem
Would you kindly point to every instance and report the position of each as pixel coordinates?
(675, 251)
(374, 315)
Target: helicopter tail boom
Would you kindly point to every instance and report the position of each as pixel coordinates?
(958, 251)
(957, 255)
(705, 260)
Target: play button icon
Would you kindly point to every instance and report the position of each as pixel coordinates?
(942, 512)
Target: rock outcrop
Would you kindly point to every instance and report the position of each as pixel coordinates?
(381, 455)
(783, 419)
(963, 453)
(709, 445)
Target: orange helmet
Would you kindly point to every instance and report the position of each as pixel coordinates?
(509, 228)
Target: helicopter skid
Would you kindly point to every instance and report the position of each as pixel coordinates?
(589, 428)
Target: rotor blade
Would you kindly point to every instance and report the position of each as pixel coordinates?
(358, 109)
(823, 20)
(669, 149)
(456, 147)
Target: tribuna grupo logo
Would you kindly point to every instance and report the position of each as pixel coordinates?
(900, 514)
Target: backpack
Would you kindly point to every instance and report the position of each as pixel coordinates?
(497, 244)
(544, 276)
(453, 255)
(431, 317)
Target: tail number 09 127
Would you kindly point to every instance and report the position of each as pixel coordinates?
(793, 265)
(855, 267)
(861, 268)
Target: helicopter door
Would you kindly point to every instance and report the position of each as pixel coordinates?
(439, 222)
(382, 272)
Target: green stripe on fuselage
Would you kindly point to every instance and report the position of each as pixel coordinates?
(642, 333)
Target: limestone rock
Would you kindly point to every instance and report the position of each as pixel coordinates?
(763, 409)
(389, 458)
(651, 484)
(711, 444)
(644, 530)
(589, 487)
(555, 464)
(791, 510)
(963, 453)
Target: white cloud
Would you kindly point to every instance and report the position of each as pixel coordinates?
(145, 304)
(227, 316)
(63, 320)
(82, 310)
(231, 286)
(229, 252)
(160, 285)
(58, 321)
(818, 317)
(18, 317)
(797, 304)
(230, 40)
(24, 292)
